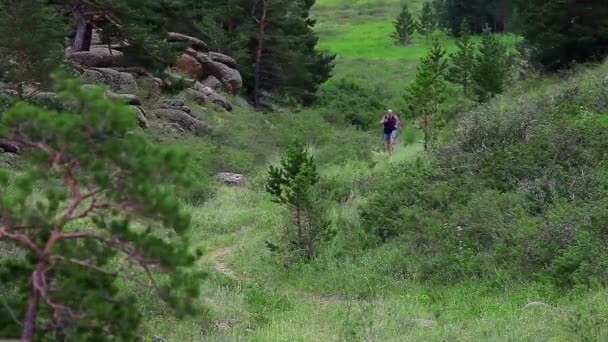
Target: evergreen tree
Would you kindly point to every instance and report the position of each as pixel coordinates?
(491, 70)
(427, 92)
(479, 13)
(405, 25)
(87, 177)
(31, 37)
(440, 10)
(292, 184)
(463, 60)
(566, 31)
(427, 21)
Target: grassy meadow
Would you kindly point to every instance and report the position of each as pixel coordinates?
(354, 290)
(349, 292)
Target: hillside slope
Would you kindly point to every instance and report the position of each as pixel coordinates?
(357, 290)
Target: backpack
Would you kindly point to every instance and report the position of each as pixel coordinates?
(390, 123)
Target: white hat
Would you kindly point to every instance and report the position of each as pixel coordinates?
(390, 110)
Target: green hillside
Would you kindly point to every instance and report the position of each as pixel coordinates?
(497, 232)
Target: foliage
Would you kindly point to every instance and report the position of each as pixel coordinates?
(427, 92)
(480, 14)
(427, 21)
(405, 25)
(31, 36)
(497, 198)
(292, 184)
(491, 70)
(349, 102)
(92, 190)
(560, 34)
(463, 60)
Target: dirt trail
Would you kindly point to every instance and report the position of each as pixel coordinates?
(219, 256)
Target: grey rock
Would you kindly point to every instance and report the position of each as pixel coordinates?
(177, 127)
(230, 78)
(9, 92)
(212, 82)
(97, 57)
(229, 178)
(128, 98)
(96, 38)
(4, 165)
(159, 339)
(172, 102)
(203, 98)
(140, 114)
(224, 59)
(10, 146)
(118, 82)
(241, 102)
(182, 108)
(183, 119)
(536, 305)
(197, 44)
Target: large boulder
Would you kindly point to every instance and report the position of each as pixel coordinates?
(224, 59)
(235, 179)
(212, 82)
(9, 146)
(230, 78)
(195, 43)
(118, 82)
(190, 66)
(203, 95)
(97, 57)
(140, 114)
(185, 120)
(127, 98)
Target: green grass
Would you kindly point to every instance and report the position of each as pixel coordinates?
(354, 299)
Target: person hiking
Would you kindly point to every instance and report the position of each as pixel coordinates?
(391, 123)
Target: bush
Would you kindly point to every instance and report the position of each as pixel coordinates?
(520, 193)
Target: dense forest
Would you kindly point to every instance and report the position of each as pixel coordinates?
(184, 170)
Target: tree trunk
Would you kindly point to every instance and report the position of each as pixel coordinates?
(426, 131)
(298, 227)
(84, 32)
(259, 50)
(310, 249)
(33, 303)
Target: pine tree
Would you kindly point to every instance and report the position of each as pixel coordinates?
(463, 60)
(292, 184)
(566, 31)
(491, 70)
(427, 92)
(31, 36)
(405, 25)
(283, 51)
(427, 21)
(87, 178)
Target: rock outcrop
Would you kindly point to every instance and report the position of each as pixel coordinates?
(97, 57)
(208, 74)
(205, 95)
(195, 43)
(230, 78)
(234, 179)
(9, 146)
(224, 59)
(213, 83)
(118, 82)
